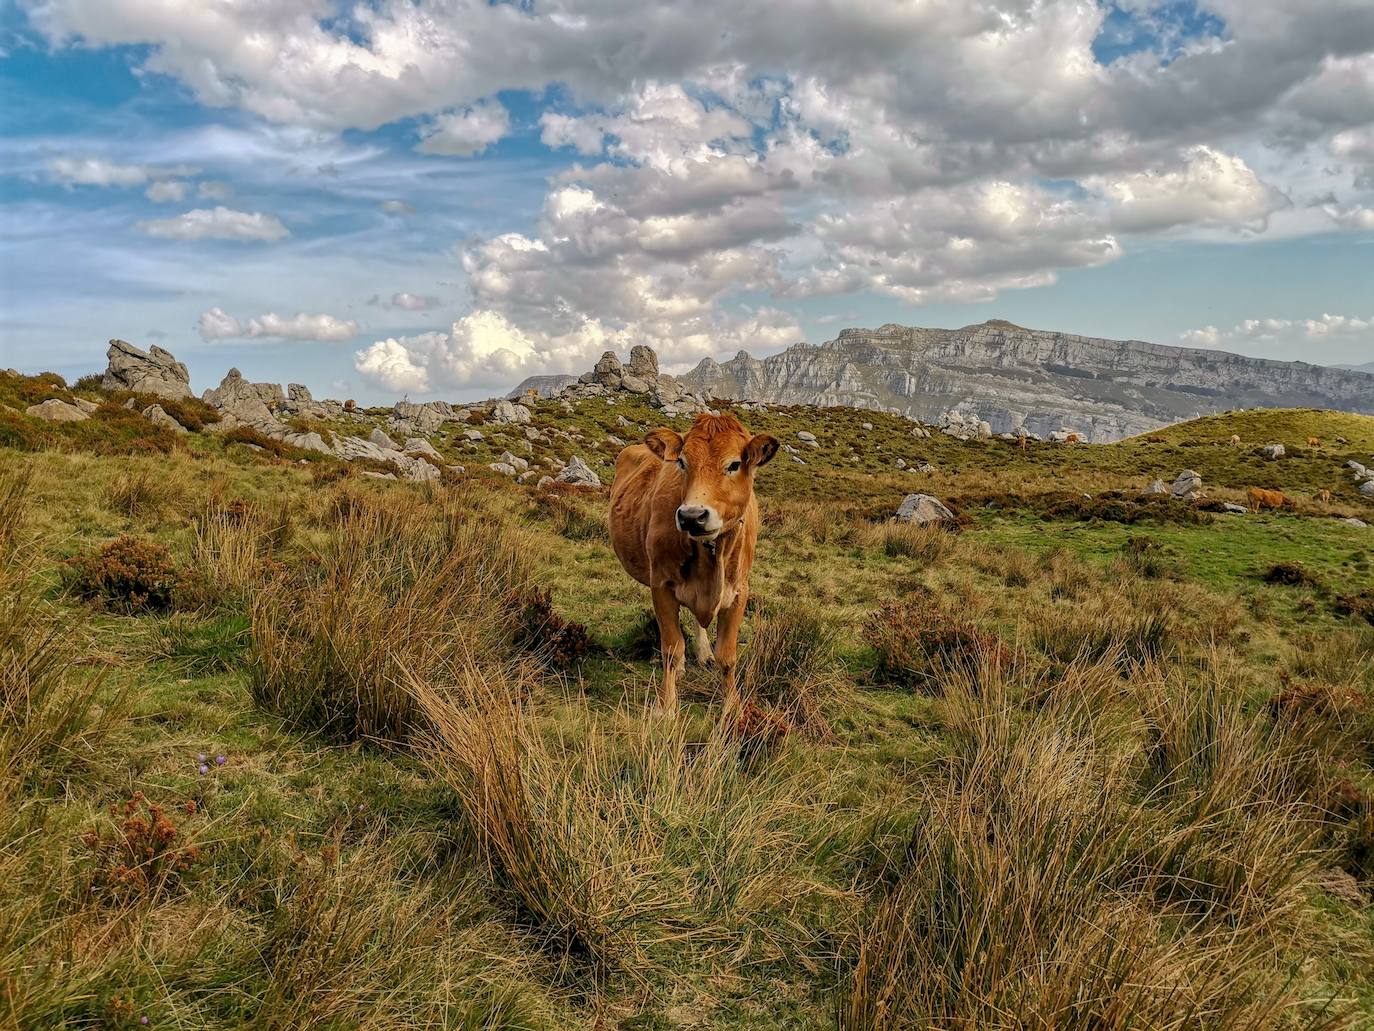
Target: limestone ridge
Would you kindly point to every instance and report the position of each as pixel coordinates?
(1023, 380)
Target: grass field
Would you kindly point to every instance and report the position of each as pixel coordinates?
(305, 749)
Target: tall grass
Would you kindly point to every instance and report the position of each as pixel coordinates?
(397, 590)
(1055, 879)
(790, 665)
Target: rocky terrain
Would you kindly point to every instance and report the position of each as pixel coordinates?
(1017, 379)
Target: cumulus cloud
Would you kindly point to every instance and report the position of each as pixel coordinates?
(218, 223)
(1329, 337)
(1209, 189)
(217, 324)
(167, 190)
(92, 171)
(465, 133)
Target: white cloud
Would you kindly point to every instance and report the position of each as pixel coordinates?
(216, 324)
(164, 191)
(1327, 338)
(413, 302)
(397, 207)
(211, 189)
(219, 223)
(1210, 189)
(465, 133)
(96, 172)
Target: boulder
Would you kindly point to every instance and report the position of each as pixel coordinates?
(420, 446)
(1357, 523)
(806, 437)
(158, 416)
(1157, 488)
(154, 371)
(579, 473)
(1273, 451)
(89, 407)
(241, 401)
(1187, 485)
(54, 410)
(922, 509)
(299, 394)
(383, 440)
(607, 370)
(473, 435)
(634, 384)
(509, 459)
(504, 468)
(1233, 508)
(507, 412)
(1367, 488)
(643, 364)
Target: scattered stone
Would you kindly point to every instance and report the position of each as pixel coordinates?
(154, 371)
(381, 439)
(806, 436)
(505, 411)
(532, 434)
(1187, 486)
(506, 458)
(798, 459)
(580, 473)
(1233, 508)
(901, 463)
(420, 446)
(1273, 451)
(474, 435)
(158, 416)
(1157, 488)
(379, 476)
(866, 425)
(922, 509)
(504, 468)
(1367, 488)
(614, 441)
(1359, 524)
(544, 481)
(55, 410)
(89, 407)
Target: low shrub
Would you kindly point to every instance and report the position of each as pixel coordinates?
(570, 517)
(789, 665)
(1292, 574)
(915, 641)
(143, 856)
(1358, 605)
(190, 412)
(1131, 637)
(539, 630)
(130, 574)
(250, 437)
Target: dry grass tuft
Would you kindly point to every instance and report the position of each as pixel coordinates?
(790, 665)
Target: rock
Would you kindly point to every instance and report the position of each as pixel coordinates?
(504, 468)
(798, 459)
(242, 401)
(55, 410)
(1187, 485)
(1359, 524)
(420, 446)
(924, 467)
(607, 370)
(614, 441)
(351, 449)
(379, 476)
(544, 481)
(1367, 488)
(1273, 451)
(806, 437)
(1157, 488)
(1233, 508)
(507, 412)
(308, 441)
(299, 394)
(901, 463)
(383, 440)
(578, 472)
(509, 459)
(643, 363)
(154, 371)
(532, 434)
(984, 429)
(156, 415)
(422, 418)
(474, 435)
(634, 385)
(922, 509)
(89, 407)
(1355, 467)
(866, 425)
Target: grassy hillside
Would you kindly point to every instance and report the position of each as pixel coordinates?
(286, 746)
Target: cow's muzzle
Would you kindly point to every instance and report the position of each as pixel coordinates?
(698, 521)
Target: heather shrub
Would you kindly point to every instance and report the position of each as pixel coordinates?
(143, 855)
(130, 574)
(915, 642)
(538, 629)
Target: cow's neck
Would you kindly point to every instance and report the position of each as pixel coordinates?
(703, 571)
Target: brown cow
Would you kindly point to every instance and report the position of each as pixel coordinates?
(683, 523)
(1235, 440)
(1261, 499)
(1324, 496)
(1314, 442)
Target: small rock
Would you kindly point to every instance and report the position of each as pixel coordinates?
(806, 436)
(1359, 524)
(580, 473)
(532, 434)
(1187, 485)
(1367, 488)
(1233, 508)
(544, 481)
(614, 441)
(866, 425)
(507, 458)
(89, 407)
(1157, 488)
(1273, 451)
(381, 439)
(474, 435)
(798, 459)
(922, 509)
(505, 411)
(158, 416)
(55, 410)
(504, 468)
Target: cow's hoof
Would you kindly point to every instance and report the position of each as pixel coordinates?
(706, 661)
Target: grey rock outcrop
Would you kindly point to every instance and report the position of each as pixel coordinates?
(579, 473)
(643, 363)
(507, 412)
(242, 403)
(922, 509)
(56, 410)
(154, 371)
(1015, 378)
(543, 386)
(158, 416)
(1187, 485)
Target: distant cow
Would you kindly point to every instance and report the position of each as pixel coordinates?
(1074, 438)
(1324, 496)
(684, 522)
(1235, 440)
(1260, 499)
(1314, 442)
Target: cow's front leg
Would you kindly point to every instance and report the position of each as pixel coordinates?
(671, 644)
(702, 646)
(727, 646)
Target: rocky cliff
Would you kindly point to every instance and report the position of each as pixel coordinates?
(1038, 381)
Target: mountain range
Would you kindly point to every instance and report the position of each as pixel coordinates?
(1038, 380)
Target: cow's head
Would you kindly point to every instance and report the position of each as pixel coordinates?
(717, 461)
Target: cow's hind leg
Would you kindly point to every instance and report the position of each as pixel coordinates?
(727, 647)
(672, 645)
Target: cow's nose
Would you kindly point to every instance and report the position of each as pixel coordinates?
(691, 517)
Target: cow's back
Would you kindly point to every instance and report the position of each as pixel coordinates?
(632, 493)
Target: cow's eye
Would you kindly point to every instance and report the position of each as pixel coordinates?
(733, 467)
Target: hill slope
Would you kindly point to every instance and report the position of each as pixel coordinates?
(1015, 377)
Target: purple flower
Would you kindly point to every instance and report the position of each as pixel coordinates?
(200, 758)
(204, 769)
(143, 1020)
(219, 760)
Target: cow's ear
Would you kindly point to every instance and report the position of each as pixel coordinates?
(760, 450)
(664, 442)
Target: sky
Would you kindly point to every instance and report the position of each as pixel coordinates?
(437, 198)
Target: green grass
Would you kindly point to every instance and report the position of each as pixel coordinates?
(556, 860)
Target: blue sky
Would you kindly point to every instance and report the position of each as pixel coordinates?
(438, 198)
